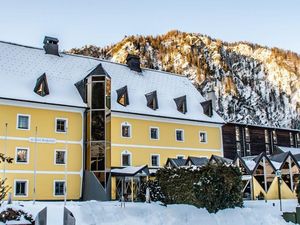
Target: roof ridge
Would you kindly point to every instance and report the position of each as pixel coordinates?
(20, 45)
(94, 58)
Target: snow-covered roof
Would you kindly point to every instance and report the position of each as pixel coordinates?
(294, 151)
(20, 66)
(131, 171)
(250, 164)
(168, 87)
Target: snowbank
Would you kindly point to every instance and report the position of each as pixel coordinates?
(110, 213)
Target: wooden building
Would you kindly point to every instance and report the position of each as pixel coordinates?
(250, 140)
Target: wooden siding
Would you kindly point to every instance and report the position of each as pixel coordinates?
(257, 139)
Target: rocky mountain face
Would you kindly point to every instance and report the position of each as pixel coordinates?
(253, 84)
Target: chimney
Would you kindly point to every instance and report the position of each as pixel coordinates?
(133, 62)
(51, 45)
(211, 95)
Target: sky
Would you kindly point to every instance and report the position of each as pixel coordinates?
(274, 23)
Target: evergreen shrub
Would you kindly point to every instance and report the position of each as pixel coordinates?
(155, 191)
(213, 186)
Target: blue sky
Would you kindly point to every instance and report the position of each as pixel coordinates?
(80, 22)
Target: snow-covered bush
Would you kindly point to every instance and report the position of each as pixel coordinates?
(16, 215)
(219, 187)
(177, 185)
(213, 186)
(155, 191)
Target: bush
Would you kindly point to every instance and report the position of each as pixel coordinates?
(177, 185)
(11, 214)
(213, 186)
(155, 191)
(219, 187)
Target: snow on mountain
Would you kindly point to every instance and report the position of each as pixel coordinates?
(253, 84)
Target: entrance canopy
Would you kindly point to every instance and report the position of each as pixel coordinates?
(131, 171)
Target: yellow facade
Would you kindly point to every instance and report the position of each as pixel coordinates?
(43, 129)
(141, 146)
(273, 191)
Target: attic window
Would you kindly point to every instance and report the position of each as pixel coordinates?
(181, 104)
(123, 96)
(41, 86)
(152, 100)
(207, 108)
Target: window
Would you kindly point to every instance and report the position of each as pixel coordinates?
(248, 149)
(298, 140)
(267, 142)
(268, 148)
(291, 139)
(155, 160)
(152, 100)
(207, 108)
(61, 125)
(60, 157)
(247, 133)
(123, 98)
(181, 104)
(154, 133)
(21, 187)
(267, 138)
(179, 135)
(126, 130)
(23, 122)
(238, 148)
(41, 86)
(22, 155)
(274, 136)
(237, 133)
(203, 137)
(59, 188)
(126, 158)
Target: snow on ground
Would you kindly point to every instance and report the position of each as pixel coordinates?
(110, 213)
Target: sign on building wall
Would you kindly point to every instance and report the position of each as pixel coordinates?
(42, 140)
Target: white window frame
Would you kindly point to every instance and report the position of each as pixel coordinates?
(158, 159)
(130, 129)
(29, 121)
(126, 152)
(66, 157)
(67, 124)
(26, 188)
(65, 188)
(16, 155)
(182, 135)
(183, 156)
(206, 137)
(158, 133)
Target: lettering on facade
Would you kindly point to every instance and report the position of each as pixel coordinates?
(42, 140)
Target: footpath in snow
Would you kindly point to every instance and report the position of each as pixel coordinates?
(110, 213)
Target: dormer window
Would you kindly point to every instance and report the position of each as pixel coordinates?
(181, 104)
(123, 96)
(207, 108)
(41, 86)
(152, 100)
